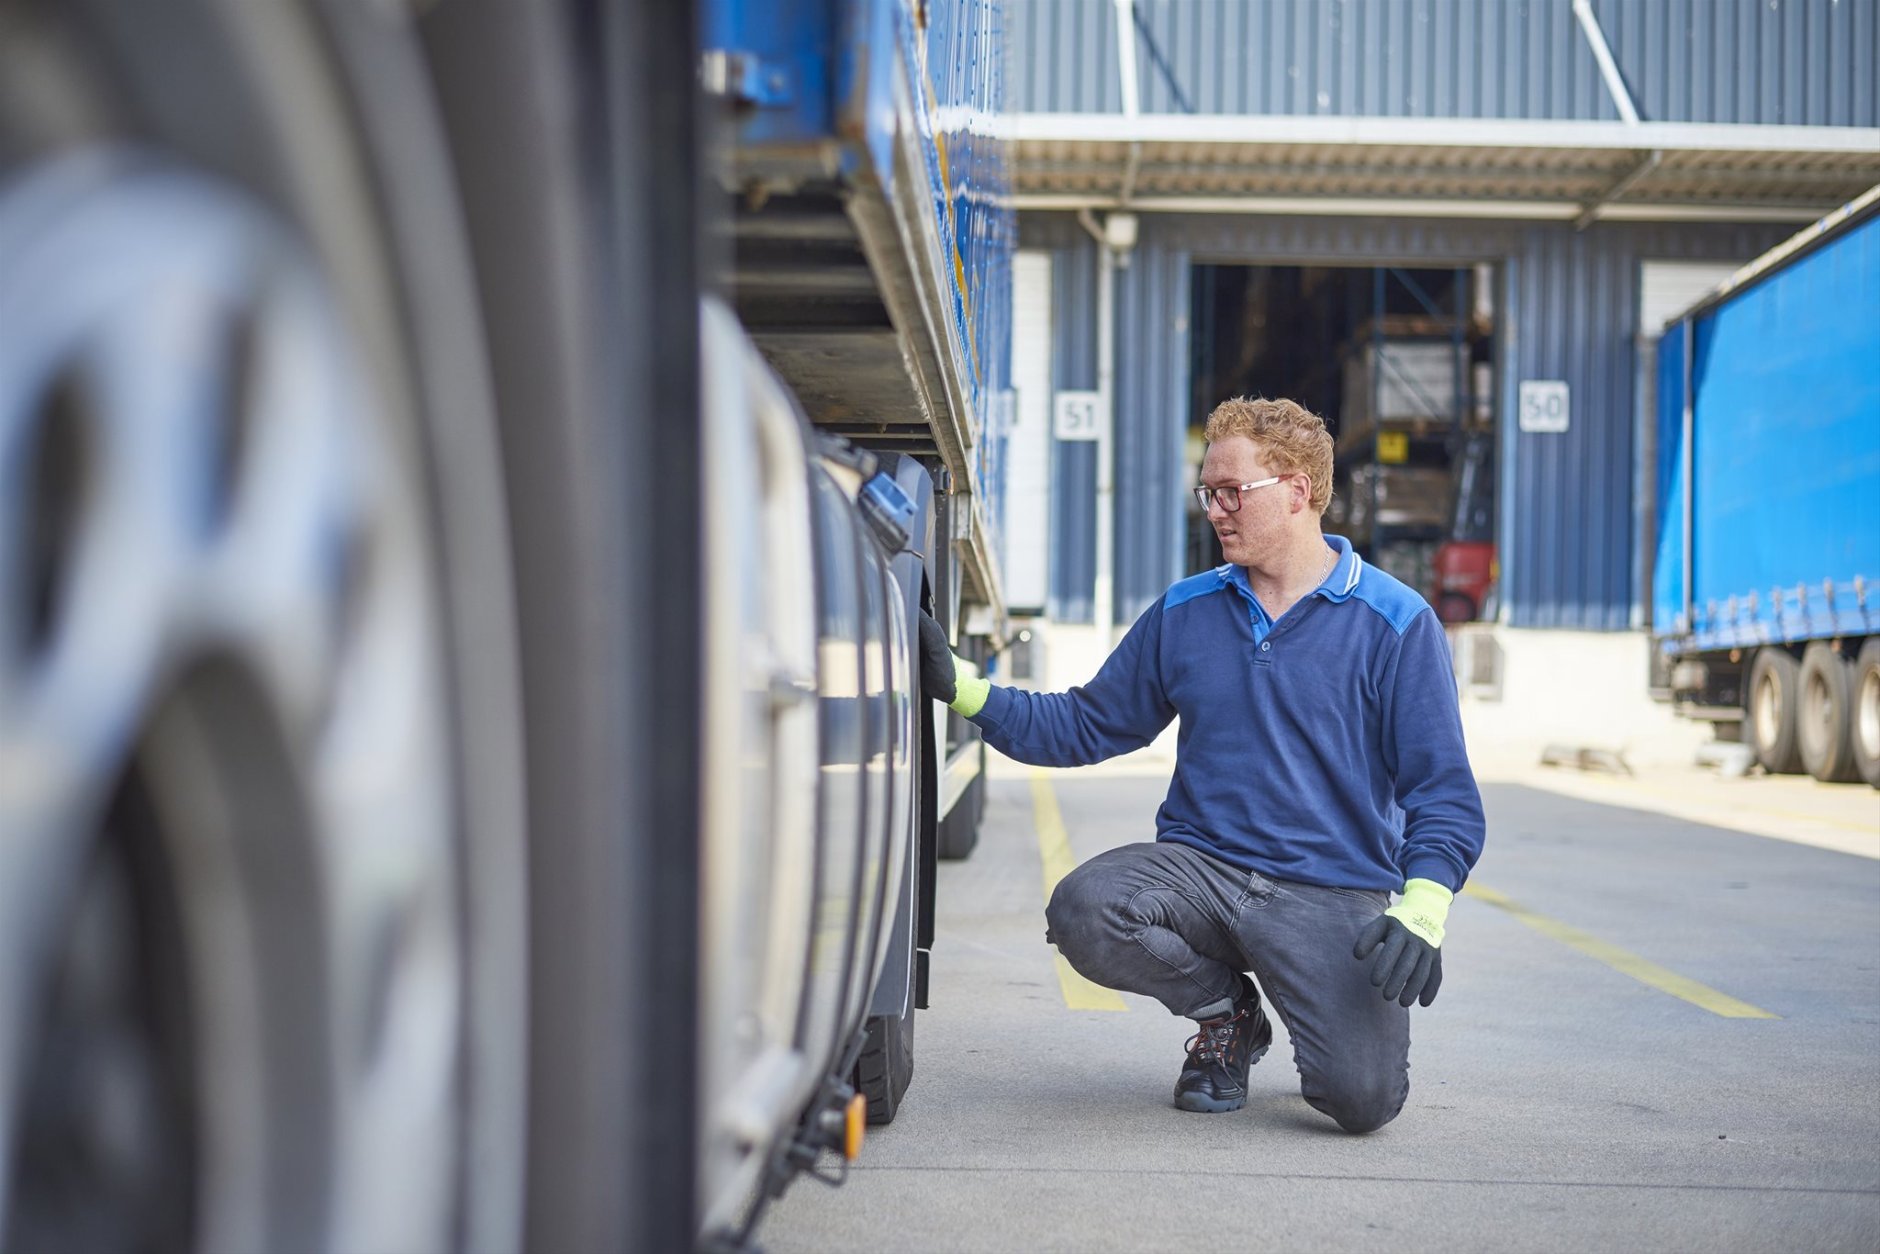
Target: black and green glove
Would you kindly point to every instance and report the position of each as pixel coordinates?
(1408, 940)
(945, 675)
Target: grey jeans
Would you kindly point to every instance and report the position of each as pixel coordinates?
(1172, 923)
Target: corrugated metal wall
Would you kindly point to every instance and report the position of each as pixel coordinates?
(1060, 57)
(1796, 62)
(1152, 368)
(1807, 62)
(1567, 308)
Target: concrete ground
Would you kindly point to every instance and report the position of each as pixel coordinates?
(1584, 1082)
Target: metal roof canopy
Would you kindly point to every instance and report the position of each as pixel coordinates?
(1438, 167)
(1443, 167)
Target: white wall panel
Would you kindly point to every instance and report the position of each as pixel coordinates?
(1668, 288)
(1027, 529)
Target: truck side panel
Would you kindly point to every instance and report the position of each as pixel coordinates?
(1785, 460)
(873, 235)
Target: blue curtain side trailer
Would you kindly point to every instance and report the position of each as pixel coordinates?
(870, 252)
(863, 241)
(1766, 546)
(869, 258)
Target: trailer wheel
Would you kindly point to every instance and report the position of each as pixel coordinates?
(1864, 723)
(264, 840)
(1774, 685)
(886, 1065)
(1823, 722)
(592, 328)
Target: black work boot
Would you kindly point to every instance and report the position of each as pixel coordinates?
(1221, 1052)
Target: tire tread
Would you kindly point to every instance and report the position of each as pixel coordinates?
(886, 1065)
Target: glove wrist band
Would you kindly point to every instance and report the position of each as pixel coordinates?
(970, 689)
(1424, 909)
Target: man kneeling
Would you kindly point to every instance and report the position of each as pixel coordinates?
(1319, 767)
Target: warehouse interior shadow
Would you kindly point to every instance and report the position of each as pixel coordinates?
(1400, 363)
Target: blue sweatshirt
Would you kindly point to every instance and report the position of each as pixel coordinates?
(1325, 748)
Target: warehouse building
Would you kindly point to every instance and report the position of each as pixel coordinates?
(1452, 227)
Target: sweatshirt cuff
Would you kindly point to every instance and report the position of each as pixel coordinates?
(1435, 869)
(997, 706)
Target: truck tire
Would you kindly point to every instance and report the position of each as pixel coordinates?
(1823, 717)
(571, 139)
(273, 900)
(886, 1064)
(1774, 693)
(1864, 730)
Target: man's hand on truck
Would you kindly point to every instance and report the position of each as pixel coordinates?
(945, 675)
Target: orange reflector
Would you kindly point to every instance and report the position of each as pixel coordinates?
(855, 1124)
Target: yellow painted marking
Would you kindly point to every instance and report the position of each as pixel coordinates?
(1054, 846)
(1623, 961)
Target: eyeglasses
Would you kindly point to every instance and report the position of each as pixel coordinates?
(1229, 498)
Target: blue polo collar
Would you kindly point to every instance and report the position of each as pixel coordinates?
(1342, 580)
(1339, 582)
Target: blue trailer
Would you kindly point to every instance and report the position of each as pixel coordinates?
(1766, 563)
(863, 244)
(870, 256)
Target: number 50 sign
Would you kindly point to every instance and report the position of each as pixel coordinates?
(1545, 406)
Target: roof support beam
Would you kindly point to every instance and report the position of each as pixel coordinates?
(1624, 185)
(1608, 69)
(1126, 56)
(1132, 99)
(1410, 207)
(1210, 128)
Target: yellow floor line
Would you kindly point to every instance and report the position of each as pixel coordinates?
(1623, 961)
(1054, 846)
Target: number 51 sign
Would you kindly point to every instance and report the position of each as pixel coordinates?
(1075, 415)
(1545, 406)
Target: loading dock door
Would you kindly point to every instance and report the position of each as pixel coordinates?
(1399, 361)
